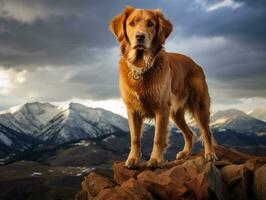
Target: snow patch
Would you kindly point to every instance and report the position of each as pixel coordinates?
(221, 129)
(36, 174)
(82, 143)
(108, 138)
(86, 170)
(261, 134)
(218, 122)
(5, 139)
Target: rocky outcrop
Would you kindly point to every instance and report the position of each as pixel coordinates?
(234, 176)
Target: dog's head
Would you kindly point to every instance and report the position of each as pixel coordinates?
(140, 29)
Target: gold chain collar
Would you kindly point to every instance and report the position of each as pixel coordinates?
(138, 72)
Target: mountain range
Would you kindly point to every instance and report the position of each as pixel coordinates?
(37, 125)
(43, 123)
(238, 121)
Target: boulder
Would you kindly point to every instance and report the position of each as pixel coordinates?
(235, 176)
(130, 190)
(122, 174)
(259, 183)
(93, 184)
(162, 185)
(237, 179)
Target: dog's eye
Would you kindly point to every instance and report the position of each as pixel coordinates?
(150, 23)
(132, 23)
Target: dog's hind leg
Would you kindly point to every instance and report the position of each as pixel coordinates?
(202, 117)
(199, 106)
(179, 119)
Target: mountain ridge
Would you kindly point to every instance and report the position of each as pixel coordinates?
(47, 124)
(259, 113)
(50, 124)
(238, 121)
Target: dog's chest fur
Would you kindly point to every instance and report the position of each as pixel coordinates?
(145, 101)
(144, 95)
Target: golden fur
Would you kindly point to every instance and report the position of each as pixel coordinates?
(173, 85)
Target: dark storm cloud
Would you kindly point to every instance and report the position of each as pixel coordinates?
(55, 39)
(63, 36)
(256, 3)
(59, 35)
(72, 34)
(246, 23)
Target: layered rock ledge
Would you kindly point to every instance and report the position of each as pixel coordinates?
(234, 176)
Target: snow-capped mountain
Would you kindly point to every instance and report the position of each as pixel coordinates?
(79, 121)
(12, 141)
(238, 121)
(259, 113)
(55, 125)
(42, 123)
(29, 118)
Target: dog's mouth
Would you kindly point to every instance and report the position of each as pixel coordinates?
(140, 46)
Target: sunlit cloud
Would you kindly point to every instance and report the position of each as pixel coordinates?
(212, 6)
(4, 79)
(225, 3)
(9, 78)
(244, 104)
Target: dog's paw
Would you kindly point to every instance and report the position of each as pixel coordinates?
(155, 163)
(132, 163)
(182, 154)
(210, 157)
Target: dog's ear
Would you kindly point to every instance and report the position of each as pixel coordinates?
(164, 27)
(118, 22)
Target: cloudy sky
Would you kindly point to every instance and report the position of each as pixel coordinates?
(61, 51)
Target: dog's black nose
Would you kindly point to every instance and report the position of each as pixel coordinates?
(140, 37)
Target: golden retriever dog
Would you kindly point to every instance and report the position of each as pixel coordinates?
(157, 84)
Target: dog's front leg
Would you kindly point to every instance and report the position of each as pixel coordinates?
(160, 139)
(135, 124)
